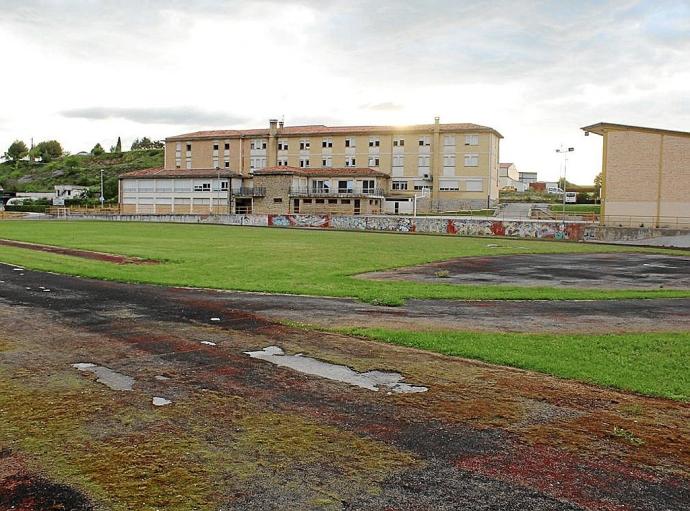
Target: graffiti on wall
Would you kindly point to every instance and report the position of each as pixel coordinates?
(320, 221)
(516, 229)
(349, 223)
(403, 224)
(393, 223)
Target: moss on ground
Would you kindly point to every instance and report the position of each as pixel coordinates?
(194, 454)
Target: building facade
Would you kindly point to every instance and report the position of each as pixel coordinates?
(645, 175)
(454, 166)
(340, 191)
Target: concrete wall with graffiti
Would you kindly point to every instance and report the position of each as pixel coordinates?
(541, 229)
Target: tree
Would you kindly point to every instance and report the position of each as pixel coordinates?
(597, 185)
(118, 146)
(146, 143)
(97, 150)
(48, 150)
(16, 151)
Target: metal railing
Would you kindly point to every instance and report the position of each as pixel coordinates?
(255, 191)
(335, 192)
(663, 222)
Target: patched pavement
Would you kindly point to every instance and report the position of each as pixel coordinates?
(585, 271)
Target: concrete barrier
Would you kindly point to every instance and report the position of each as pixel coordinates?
(457, 226)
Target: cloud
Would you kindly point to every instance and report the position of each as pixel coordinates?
(181, 115)
(386, 106)
(550, 66)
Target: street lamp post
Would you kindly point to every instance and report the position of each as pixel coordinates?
(565, 151)
(102, 198)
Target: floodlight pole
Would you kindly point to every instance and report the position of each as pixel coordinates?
(565, 151)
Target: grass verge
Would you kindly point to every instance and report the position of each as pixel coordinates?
(653, 364)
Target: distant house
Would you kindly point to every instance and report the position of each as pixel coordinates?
(527, 178)
(509, 178)
(645, 175)
(70, 191)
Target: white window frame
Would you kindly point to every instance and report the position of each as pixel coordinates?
(471, 185)
(471, 160)
(471, 139)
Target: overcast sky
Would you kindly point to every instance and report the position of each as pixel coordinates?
(88, 71)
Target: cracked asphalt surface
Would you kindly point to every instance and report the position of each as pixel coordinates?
(254, 436)
(610, 271)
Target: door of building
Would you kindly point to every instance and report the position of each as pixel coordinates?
(357, 207)
(296, 206)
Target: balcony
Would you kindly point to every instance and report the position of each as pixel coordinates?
(303, 191)
(243, 191)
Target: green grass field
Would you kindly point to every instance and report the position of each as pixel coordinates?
(649, 363)
(323, 263)
(282, 260)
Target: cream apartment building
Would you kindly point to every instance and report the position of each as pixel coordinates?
(454, 165)
(645, 175)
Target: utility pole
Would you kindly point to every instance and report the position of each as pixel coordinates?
(564, 151)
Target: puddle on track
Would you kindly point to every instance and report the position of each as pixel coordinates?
(108, 377)
(371, 380)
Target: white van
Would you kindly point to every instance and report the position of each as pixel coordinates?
(571, 197)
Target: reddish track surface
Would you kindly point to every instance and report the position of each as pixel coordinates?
(86, 254)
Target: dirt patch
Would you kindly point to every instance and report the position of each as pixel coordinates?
(85, 254)
(610, 271)
(21, 490)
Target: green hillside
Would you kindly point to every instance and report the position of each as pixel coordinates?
(77, 170)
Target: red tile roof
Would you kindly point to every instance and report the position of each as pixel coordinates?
(320, 129)
(321, 172)
(178, 173)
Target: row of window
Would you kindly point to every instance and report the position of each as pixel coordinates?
(176, 200)
(327, 143)
(343, 186)
(332, 201)
(445, 185)
(423, 161)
